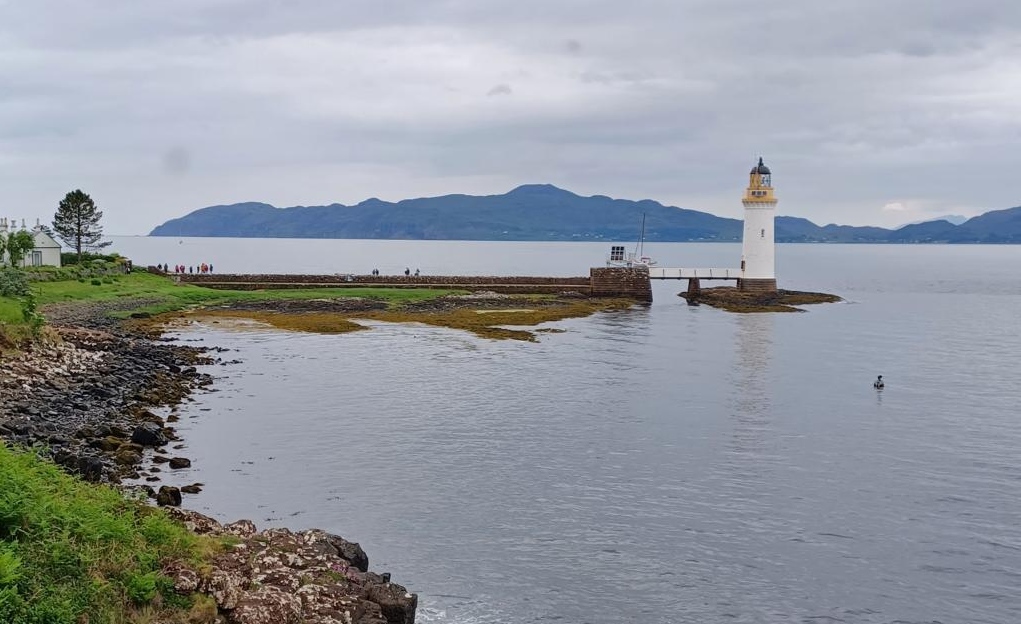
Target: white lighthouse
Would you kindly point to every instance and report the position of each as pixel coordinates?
(758, 257)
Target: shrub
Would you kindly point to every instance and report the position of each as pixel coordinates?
(140, 588)
(13, 283)
(96, 282)
(70, 258)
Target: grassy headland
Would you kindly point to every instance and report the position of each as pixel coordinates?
(74, 552)
(161, 299)
(146, 293)
(168, 296)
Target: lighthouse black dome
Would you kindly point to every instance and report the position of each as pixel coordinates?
(761, 168)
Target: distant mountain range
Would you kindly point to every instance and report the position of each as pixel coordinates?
(545, 212)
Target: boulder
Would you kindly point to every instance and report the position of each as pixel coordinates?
(90, 468)
(351, 551)
(395, 602)
(127, 457)
(196, 522)
(168, 496)
(180, 462)
(107, 444)
(149, 434)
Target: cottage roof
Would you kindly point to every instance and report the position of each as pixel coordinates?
(44, 240)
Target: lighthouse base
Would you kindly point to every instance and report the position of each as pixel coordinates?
(757, 285)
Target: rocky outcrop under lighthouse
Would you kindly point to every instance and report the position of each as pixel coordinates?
(735, 300)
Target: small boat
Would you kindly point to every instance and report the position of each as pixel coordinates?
(620, 257)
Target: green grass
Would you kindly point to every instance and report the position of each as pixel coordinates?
(163, 295)
(10, 311)
(178, 296)
(72, 551)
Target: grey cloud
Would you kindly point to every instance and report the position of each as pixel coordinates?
(500, 89)
(856, 104)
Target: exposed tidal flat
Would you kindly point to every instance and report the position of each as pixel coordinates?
(661, 464)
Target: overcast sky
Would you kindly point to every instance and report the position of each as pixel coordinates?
(868, 111)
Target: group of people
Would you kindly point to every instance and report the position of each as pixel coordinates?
(407, 272)
(180, 268)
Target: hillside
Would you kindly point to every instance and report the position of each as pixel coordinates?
(545, 212)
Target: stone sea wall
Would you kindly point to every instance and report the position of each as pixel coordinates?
(601, 282)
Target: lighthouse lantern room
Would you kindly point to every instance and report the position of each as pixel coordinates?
(758, 258)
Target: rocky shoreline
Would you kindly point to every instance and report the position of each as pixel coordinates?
(87, 395)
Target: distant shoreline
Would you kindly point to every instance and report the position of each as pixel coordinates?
(543, 212)
(608, 241)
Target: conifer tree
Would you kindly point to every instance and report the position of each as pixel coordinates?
(77, 222)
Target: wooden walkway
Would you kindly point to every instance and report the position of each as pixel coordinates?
(689, 274)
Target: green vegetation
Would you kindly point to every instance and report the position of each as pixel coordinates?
(17, 308)
(163, 295)
(16, 245)
(75, 552)
(70, 257)
(86, 270)
(145, 292)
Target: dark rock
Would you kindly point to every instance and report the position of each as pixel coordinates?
(107, 444)
(168, 496)
(160, 459)
(127, 457)
(194, 488)
(149, 434)
(351, 551)
(180, 462)
(90, 468)
(398, 606)
(58, 440)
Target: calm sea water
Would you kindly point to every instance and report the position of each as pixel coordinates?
(664, 464)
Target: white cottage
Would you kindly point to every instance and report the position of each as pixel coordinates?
(46, 251)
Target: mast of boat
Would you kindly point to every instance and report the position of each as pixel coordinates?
(641, 240)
